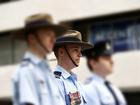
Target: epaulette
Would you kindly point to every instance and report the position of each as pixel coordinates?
(25, 62)
(57, 74)
(88, 80)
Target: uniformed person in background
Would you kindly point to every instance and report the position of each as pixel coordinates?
(98, 89)
(34, 83)
(68, 52)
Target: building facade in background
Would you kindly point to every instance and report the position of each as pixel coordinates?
(95, 19)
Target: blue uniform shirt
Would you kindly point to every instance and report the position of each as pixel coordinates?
(34, 83)
(68, 84)
(98, 94)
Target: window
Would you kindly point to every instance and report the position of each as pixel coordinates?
(5, 50)
(125, 35)
(11, 51)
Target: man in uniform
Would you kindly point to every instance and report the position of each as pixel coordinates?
(98, 89)
(34, 83)
(68, 52)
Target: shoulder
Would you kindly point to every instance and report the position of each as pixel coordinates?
(89, 87)
(22, 70)
(90, 91)
(88, 80)
(57, 74)
(92, 86)
(58, 77)
(59, 80)
(91, 81)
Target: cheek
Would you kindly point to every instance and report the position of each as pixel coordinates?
(75, 55)
(106, 65)
(48, 42)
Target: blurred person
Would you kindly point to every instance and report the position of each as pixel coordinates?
(34, 83)
(68, 52)
(98, 89)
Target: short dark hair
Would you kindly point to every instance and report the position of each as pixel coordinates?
(27, 33)
(56, 51)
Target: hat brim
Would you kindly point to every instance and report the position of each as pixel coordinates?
(84, 45)
(107, 53)
(87, 53)
(19, 34)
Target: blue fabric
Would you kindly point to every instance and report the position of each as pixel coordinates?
(98, 93)
(34, 83)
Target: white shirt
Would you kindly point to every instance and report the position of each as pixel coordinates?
(98, 94)
(34, 83)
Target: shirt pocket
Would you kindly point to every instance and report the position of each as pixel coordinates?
(42, 87)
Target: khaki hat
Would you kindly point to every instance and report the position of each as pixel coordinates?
(72, 37)
(37, 21)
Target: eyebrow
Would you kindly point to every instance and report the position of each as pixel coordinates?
(76, 47)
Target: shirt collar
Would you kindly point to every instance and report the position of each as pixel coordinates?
(98, 77)
(65, 74)
(33, 58)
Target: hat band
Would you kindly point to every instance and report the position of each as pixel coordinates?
(68, 39)
(35, 23)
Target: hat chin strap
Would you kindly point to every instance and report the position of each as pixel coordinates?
(70, 56)
(39, 42)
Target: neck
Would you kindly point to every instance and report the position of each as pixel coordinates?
(100, 74)
(67, 67)
(37, 52)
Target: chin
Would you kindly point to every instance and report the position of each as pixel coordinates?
(110, 72)
(77, 64)
(49, 51)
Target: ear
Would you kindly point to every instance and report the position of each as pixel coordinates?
(92, 62)
(31, 38)
(61, 52)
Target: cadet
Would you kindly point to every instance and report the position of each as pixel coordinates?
(99, 90)
(68, 52)
(33, 82)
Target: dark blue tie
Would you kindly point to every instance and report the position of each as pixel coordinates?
(112, 92)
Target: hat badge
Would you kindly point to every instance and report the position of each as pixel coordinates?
(108, 46)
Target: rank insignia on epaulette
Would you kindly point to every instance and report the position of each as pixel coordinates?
(88, 80)
(25, 62)
(57, 74)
